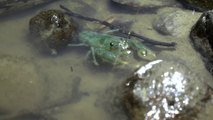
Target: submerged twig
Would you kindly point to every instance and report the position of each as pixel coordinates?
(124, 31)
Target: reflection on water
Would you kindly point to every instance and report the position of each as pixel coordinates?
(34, 86)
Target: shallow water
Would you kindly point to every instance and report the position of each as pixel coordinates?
(71, 85)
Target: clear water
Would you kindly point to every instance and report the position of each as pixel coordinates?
(69, 85)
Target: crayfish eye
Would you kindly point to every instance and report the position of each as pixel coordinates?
(144, 53)
(111, 44)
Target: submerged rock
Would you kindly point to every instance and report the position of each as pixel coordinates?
(175, 22)
(202, 38)
(143, 5)
(199, 5)
(138, 3)
(163, 90)
(32, 116)
(9, 6)
(21, 86)
(27, 92)
(52, 30)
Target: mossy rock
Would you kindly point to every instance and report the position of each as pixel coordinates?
(52, 30)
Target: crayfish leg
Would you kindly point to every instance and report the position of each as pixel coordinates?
(93, 56)
(88, 53)
(53, 52)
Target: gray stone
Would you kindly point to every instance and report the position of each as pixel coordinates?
(175, 23)
(144, 5)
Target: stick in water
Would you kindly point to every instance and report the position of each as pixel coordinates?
(111, 26)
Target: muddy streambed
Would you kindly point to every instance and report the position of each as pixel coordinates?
(67, 86)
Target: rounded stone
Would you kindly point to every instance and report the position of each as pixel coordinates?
(175, 22)
(52, 30)
(138, 3)
(163, 90)
(22, 87)
(148, 6)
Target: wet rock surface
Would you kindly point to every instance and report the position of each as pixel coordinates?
(52, 30)
(28, 94)
(175, 22)
(22, 88)
(32, 116)
(136, 3)
(143, 5)
(10, 6)
(160, 90)
(199, 5)
(163, 90)
(202, 38)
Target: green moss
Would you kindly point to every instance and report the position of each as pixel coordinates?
(52, 29)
